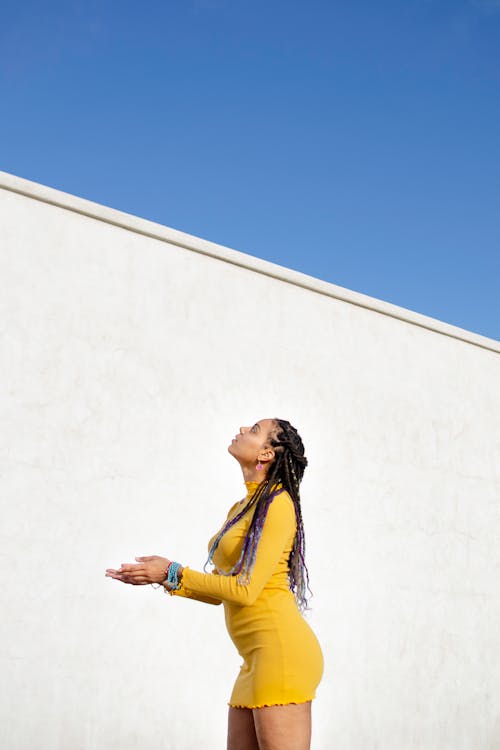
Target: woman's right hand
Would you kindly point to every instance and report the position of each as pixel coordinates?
(149, 569)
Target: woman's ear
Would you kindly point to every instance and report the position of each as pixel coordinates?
(266, 455)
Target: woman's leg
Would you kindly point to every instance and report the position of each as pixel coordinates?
(283, 727)
(241, 730)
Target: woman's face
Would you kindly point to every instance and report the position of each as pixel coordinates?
(250, 444)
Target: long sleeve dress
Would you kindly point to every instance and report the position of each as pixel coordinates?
(282, 658)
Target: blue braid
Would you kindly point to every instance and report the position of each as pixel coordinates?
(244, 565)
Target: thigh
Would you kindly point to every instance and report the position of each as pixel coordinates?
(241, 730)
(283, 727)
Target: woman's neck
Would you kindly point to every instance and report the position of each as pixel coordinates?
(253, 475)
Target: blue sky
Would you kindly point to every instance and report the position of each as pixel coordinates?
(358, 142)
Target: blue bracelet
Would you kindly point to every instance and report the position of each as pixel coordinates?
(172, 580)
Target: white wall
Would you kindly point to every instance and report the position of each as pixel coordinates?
(131, 353)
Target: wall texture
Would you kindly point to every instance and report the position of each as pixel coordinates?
(130, 355)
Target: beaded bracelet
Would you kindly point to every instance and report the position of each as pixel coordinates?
(165, 589)
(172, 580)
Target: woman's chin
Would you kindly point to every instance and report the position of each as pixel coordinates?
(230, 449)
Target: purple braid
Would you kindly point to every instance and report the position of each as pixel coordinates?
(287, 469)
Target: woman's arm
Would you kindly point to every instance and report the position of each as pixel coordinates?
(151, 569)
(279, 527)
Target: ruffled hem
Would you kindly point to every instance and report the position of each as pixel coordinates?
(269, 705)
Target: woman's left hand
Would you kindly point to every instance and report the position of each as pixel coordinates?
(148, 570)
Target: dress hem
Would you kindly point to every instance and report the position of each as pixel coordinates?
(269, 705)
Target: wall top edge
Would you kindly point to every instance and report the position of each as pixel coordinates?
(133, 223)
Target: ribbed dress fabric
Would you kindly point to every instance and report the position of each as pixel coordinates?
(282, 658)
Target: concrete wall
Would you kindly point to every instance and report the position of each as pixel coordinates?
(131, 353)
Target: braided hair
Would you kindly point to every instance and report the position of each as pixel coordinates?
(287, 468)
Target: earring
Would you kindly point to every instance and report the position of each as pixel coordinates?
(259, 466)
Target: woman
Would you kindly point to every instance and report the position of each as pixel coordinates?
(261, 577)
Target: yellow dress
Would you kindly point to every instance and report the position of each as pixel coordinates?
(282, 658)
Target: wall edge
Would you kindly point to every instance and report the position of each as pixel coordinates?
(67, 201)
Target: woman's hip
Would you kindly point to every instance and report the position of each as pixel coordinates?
(273, 623)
